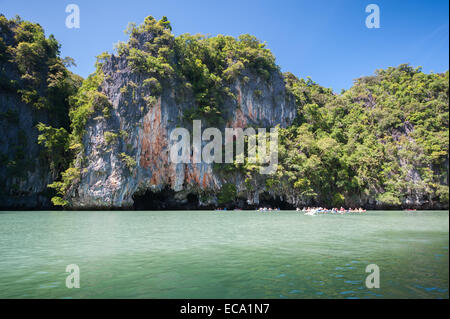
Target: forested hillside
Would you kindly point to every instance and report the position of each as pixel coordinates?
(35, 87)
(384, 142)
(381, 144)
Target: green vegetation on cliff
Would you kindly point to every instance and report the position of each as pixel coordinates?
(205, 65)
(34, 81)
(83, 104)
(383, 142)
(31, 67)
(385, 139)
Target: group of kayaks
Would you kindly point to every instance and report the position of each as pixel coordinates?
(311, 211)
(307, 211)
(261, 209)
(265, 209)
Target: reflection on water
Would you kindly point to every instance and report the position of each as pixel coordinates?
(193, 254)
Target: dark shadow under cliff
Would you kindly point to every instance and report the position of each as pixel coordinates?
(164, 200)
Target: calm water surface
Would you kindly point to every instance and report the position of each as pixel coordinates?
(207, 254)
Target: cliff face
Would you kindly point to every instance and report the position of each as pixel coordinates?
(382, 144)
(141, 131)
(24, 173)
(32, 91)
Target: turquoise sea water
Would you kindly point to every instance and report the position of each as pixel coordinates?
(208, 254)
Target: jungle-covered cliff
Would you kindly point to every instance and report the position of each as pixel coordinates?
(34, 89)
(381, 144)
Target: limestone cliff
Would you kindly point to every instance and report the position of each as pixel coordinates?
(126, 153)
(104, 143)
(34, 87)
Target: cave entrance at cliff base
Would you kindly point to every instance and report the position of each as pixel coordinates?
(266, 199)
(163, 200)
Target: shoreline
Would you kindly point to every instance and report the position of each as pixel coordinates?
(204, 210)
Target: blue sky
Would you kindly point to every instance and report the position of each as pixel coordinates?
(327, 40)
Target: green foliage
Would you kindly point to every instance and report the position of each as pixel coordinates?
(123, 134)
(257, 93)
(110, 137)
(338, 200)
(154, 86)
(142, 61)
(32, 71)
(227, 194)
(368, 142)
(84, 103)
(385, 138)
(207, 65)
(130, 162)
(106, 112)
(44, 83)
(56, 143)
(59, 201)
(68, 178)
(87, 100)
(389, 198)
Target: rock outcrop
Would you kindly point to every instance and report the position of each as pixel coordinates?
(141, 133)
(24, 173)
(33, 89)
(105, 142)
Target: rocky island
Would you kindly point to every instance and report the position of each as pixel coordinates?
(102, 142)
